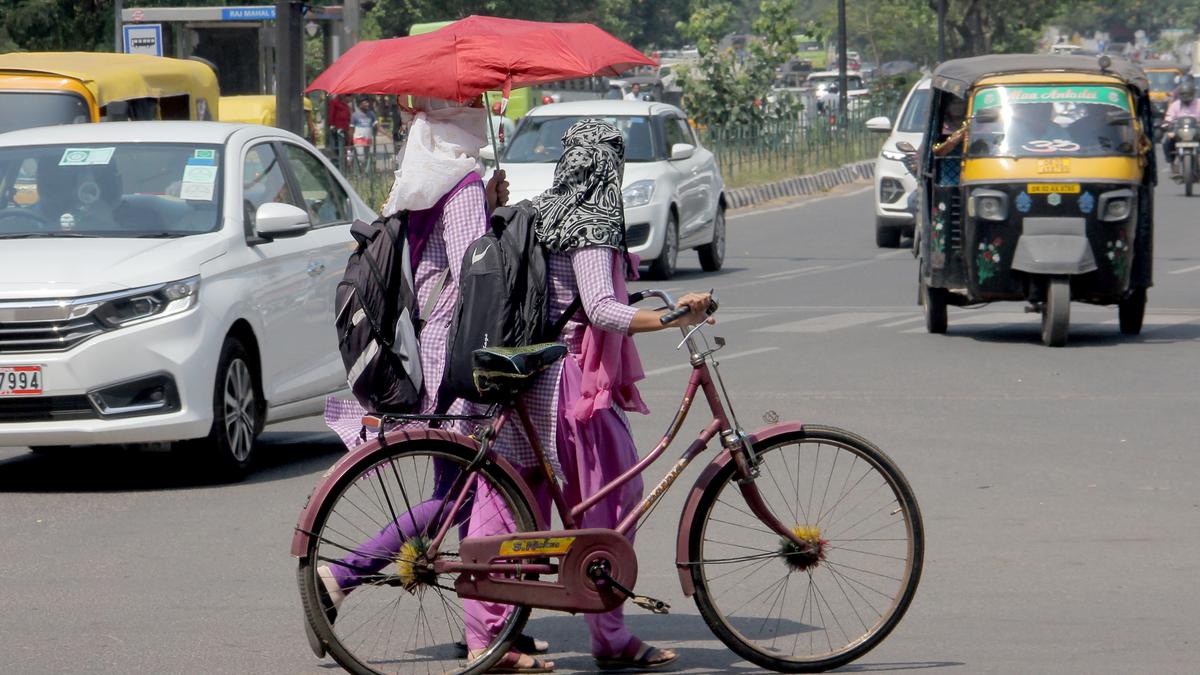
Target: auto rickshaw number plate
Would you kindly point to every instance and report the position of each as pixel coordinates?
(1054, 165)
(1053, 188)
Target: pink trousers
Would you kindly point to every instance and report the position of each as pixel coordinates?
(592, 454)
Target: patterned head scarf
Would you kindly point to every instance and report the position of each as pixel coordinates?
(584, 207)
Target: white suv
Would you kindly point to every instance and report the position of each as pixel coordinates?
(894, 185)
(167, 281)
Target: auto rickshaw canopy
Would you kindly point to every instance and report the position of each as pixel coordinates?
(120, 77)
(253, 109)
(959, 75)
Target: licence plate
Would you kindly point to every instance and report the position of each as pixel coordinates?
(21, 380)
(1186, 144)
(1048, 188)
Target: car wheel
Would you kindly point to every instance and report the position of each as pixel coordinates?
(237, 414)
(886, 236)
(712, 255)
(663, 266)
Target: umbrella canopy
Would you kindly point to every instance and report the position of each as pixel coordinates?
(477, 54)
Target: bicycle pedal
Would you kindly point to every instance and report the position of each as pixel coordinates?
(648, 603)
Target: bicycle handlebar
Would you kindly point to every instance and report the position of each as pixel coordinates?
(675, 312)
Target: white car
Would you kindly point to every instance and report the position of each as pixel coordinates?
(167, 281)
(673, 193)
(894, 184)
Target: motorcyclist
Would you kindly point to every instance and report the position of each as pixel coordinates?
(1185, 106)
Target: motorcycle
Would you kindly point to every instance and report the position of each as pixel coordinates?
(1187, 139)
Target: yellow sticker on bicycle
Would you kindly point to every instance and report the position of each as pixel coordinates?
(1048, 188)
(545, 546)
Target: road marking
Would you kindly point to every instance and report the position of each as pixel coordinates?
(901, 322)
(783, 274)
(831, 322)
(727, 357)
(800, 204)
(891, 254)
(1193, 268)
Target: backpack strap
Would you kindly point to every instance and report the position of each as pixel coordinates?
(569, 312)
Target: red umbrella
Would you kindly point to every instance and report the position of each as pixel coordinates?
(477, 54)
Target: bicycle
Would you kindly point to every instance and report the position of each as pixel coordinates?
(833, 512)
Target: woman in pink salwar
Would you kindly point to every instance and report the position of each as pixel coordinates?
(582, 401)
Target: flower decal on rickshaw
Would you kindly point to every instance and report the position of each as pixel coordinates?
(1118, 256)
(988, 259)
(939, 227)
(1024, 202)
(1086, 203)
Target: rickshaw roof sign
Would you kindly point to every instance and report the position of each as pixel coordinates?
(1018, 94)
(959, 75)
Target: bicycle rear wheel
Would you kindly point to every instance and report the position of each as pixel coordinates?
(812, 608)
(398, 615)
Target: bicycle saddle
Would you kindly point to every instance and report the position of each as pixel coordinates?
(504, 372)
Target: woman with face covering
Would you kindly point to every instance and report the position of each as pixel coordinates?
(581, 402)
(438, 182)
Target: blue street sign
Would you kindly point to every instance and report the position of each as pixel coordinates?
(265, 13)
(143, 38)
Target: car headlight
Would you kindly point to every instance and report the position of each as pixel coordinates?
(988, 205)
(638, 193)
(894, 155)
(149, 302)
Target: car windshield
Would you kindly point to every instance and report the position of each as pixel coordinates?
(539, 139)
(1161, 80)
(109, 190)
(23, 110)
(1067, 120)
(916, 114)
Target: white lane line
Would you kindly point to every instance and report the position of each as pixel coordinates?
(727, 357)
(1193, 268)
(824, 324)
(901, 322)
(785, 273)
(797, 274)
(891, 254)
(800, 204)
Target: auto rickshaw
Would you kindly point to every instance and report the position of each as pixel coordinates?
(260, 109)
(47, 88)
(1163, 77)
(1037, 185)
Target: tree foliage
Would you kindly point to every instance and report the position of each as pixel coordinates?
(1122, 18)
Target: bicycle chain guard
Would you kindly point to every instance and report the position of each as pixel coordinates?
(573, 591)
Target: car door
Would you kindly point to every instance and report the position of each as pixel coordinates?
(329, 245)
(688, 173)
(281, 290)
(708, 185)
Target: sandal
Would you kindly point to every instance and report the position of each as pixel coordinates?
(637, 655)
(524, 643)
(511, 663)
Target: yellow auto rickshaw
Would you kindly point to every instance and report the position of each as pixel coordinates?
(47, 88)
(1163, 76)
(1037, 185)
(260, 109)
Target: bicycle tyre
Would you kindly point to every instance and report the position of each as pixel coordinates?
(726, 626)
(388, 456)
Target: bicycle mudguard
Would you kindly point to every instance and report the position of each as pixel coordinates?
(308, 514)
(683, 537)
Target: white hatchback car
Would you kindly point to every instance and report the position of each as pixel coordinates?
(894, 184)
(167, 281)
(673, 192)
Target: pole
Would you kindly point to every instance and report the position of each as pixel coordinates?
(843, 79)
(289, 63)
(118, 38)
(351, 21)
(941, 54)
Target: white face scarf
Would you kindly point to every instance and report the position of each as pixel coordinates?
(442, 147)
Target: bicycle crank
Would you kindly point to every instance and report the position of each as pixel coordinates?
(598, 571)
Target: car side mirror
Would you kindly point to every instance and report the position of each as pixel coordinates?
(987, 115)
(274, 220)
(682, 151)
(880, 124)
(1119, 118)
(118, 111)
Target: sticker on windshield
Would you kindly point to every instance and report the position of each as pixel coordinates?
(193, 173)
(205, 154)
(1011, 95)
(196, 191)
(86, 156)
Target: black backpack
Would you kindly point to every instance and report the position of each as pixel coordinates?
(376, 320)
(501, 301)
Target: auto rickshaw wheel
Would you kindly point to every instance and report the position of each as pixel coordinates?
(1131, 311)
(1056, 312)
(935, 301)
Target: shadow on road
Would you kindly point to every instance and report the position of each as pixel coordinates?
(1078, 337)
(278, 456)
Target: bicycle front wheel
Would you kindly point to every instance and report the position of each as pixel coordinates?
(809, 608)
(368, 584)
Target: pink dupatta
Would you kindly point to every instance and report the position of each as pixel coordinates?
(610, 362)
